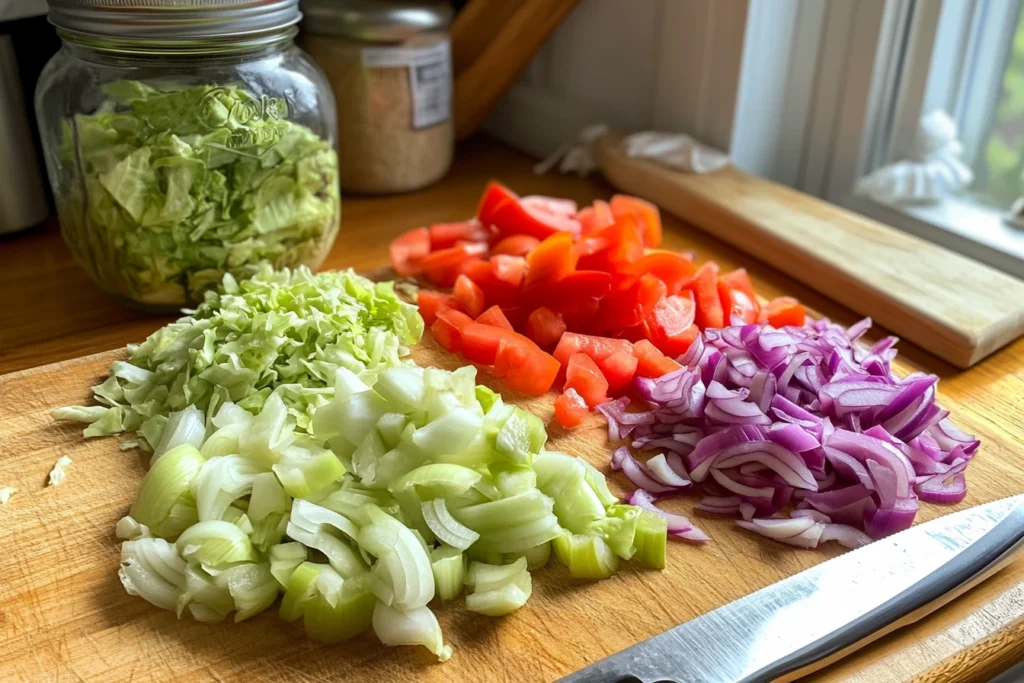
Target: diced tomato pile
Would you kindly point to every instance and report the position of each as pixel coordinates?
(542, 290)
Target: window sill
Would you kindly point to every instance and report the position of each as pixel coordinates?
(961, 225)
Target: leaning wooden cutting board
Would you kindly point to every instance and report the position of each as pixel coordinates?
(64, 614)
(957, 308)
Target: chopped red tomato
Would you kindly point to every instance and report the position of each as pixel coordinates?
(509, 269)
(647, 215)
(545, 327)
(783, 311)
(570, 409)
(581, 284)
(675, 270)
(469, 294)
(583, 375)
(495, 195)
(738, 297)
(447, 328)
(408, 249)
(669, 324)
(430, 303)
(618, 369)
(581, 315)
(515, 245)
(620, 310)
(496, 291)
(610, 247)
(516, 315)
(480, 342)
(443, 266)
(704, 286)
(555, 206)
(596, 217)
(651, 362)
(525, 368)
(552, 260)
(445, 235)
(597, 348)
(495, 318)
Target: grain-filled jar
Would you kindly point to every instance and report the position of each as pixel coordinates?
(186, 139)
(389, 64)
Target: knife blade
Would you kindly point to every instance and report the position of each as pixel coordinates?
(804, 622)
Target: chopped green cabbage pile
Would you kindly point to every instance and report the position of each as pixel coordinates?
(166, 190)
(412, 485)
(286, 330)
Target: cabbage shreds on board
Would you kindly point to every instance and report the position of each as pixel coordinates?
(167, 189)
(288, 330)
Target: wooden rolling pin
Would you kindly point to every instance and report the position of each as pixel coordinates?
(957, 308)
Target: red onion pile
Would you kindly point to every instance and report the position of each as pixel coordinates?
(761, 418)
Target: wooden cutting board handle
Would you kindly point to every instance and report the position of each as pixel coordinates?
(957, 308)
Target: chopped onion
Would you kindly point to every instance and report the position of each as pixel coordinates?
(761, 416)
(415, 626)
(445, 527)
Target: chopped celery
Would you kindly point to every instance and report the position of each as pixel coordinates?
(57, 474)
(400, 556)
(206, 601)
(452, 433)
(563, 478)
(268, 496)
(329, 585)
(445, 527)
(415, 626)
(305, 472)
(477, 554)
(312, 517)
(651, 539)
(129, 529)
(618, 533)
(521, 437)
(587, 557)
(351, 614)
(215, 543)
(152, 569)
(252, 586)
(507, 512)
(449, 567)
(300, 589)
(487, 577)
(437, 480)
(486, 397)
(220, 482)
(599, 483)
(285, 559)
(166, 484)
(538, 556)
(504, 600)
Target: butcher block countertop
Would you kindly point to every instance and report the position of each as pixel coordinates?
(50, 312)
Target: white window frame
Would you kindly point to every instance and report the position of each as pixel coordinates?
(928, 55)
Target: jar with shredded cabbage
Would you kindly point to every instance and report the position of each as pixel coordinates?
(175, 160)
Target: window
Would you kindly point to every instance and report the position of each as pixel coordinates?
(951, 72)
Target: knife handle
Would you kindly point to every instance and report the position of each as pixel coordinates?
(977, 564)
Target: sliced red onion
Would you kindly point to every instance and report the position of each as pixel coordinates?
(801, 532)
(620, 454)
(719, 505)
(804, 414)
(747, 510)
(642, 478)
(658, 468)
(678, 525)
(813, 514)
(847, 536)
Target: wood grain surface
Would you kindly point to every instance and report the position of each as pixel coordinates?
(958, 308)
(63, 614)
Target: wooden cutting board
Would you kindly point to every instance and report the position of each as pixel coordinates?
(957, 308)
(64, 614)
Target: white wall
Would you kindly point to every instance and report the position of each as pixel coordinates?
(635, 65)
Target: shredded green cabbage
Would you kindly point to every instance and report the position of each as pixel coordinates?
(169, 189)
(288, 331)
(5, 494)
(59, 471)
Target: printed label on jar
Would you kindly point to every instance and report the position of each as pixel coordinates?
(430, 78)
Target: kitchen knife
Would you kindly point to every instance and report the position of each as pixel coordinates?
(809, 620)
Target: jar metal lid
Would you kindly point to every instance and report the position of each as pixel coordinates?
(173, 20)
(383, 21)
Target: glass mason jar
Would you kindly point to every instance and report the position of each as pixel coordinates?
(186, 139)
